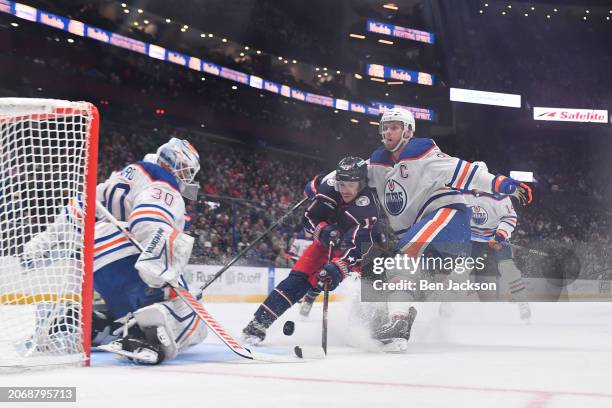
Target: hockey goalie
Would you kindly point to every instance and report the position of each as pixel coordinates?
(144, 320)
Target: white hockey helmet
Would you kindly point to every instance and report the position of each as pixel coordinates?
(482, 165)
(181, 159)
(397, 115)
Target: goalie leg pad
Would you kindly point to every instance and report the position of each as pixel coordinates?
(173, 324)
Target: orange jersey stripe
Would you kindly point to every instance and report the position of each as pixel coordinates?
(109, 244)
(414, 248)
(463, 174)
(153, 212)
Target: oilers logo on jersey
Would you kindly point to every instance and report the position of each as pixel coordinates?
(395, 197)
(479, 215)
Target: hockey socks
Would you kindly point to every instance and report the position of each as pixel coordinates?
(286, 293)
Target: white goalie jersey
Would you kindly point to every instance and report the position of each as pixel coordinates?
(145, 198)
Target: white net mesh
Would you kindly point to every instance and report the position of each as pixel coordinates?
(43, 163)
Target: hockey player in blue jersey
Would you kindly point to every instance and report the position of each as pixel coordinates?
(147, 197)
(420, 189)
(342, 215)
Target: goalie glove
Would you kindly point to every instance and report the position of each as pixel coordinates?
(164, 257)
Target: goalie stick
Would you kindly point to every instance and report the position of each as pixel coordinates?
(199, 310)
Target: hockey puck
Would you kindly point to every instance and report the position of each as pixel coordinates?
(288, 328)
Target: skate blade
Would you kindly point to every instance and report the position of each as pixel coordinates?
(397, 345)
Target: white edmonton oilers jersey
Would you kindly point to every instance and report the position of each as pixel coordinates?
(144, 196)
(490, 213)
(422, 180)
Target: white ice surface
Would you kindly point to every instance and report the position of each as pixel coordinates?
(482, 357)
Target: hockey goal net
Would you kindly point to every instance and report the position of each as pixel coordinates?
(48, 160)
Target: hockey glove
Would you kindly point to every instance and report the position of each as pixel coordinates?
(333, 273)
(327, 234)
(498, 241)
(510, 186)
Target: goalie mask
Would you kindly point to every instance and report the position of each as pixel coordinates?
(181, 159)
(397, 115)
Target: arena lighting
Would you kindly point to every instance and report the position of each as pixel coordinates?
(358, 76)
(395, 82)
(361, 37)
(294, 61)
(587, 11)
(391, 6)
(210, 35)
(532, 8)
(373, 123)
(555, 10)
(481, 11)
(377, 79)
(246, 47)
(503, 13)
(146, 21)
(15, 24)
(386, 93)
(168, 21)
(203, 35)
(526, 15)
(286, 61)
(70, 40)
(335, 111)
(486, 4)
(380, 40)
(280, 58)
(234, 87)
(548, 16)
(126, 11)
(509, 6)
(584, 18)
(183, 30)
(354, 120)
(136, 23)
(224, 40)
(338, 72)
(123, 5)
(185, 26)
(242, 54)
(140, 11)
(316, 68)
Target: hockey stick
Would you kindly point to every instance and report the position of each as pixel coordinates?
(315, 352)
(531, 251)
(199, 310)
(326, 305)
(245, 250)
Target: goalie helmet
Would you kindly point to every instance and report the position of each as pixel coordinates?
(397, 115)
(181, 159)
(352, 169)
